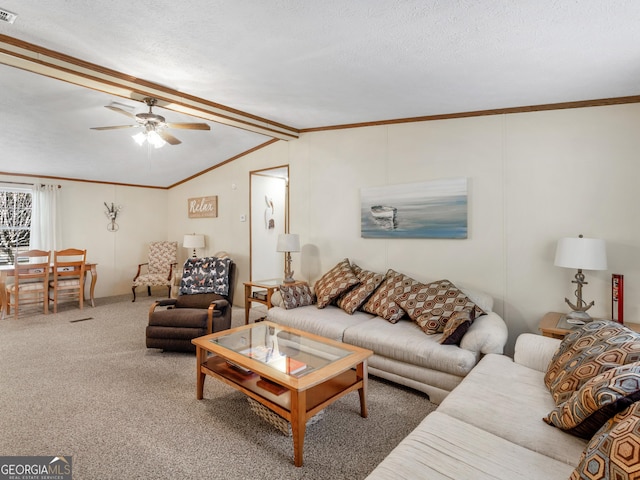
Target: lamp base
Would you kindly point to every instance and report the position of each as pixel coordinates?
(580, 316)
(288, 273)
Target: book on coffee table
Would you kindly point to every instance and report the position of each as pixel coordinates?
(287, 364)
(270, 386)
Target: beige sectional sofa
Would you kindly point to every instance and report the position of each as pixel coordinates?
(403, 353)
(491, 426)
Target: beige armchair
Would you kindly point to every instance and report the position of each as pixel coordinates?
(158, 271)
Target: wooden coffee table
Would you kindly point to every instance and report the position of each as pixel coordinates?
(293, 373)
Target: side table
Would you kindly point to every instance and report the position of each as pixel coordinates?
(551, 326)
(270, 285)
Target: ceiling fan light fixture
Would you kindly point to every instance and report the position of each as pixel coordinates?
(150, 136)
(156, 140)
(139, 138)
(153, 126)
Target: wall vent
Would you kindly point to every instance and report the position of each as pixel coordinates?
(7, 16)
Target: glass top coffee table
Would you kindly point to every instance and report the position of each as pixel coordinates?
(292, 373)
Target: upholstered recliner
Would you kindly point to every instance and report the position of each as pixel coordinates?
(202, 306)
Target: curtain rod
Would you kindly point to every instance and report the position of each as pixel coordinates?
(24, 183)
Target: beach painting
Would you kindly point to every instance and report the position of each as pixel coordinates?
(433, 209)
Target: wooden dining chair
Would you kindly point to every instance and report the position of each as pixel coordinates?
(68, 276)
(31, 281)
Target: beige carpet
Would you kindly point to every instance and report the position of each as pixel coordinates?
(82, 383)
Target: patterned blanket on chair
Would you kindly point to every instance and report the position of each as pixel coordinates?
(205, 275)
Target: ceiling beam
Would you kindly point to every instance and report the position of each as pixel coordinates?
(36, 59)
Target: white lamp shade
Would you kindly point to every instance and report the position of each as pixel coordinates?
(193, 241)
(288, 242)
(581, 253)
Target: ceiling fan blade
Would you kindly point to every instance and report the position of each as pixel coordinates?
(119, 110)
(113, 127)
(170, 139)
(190, 126)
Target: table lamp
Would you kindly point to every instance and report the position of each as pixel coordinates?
(193, 241)
(583, 254)
(287, 243)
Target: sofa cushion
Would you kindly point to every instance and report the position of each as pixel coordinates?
(432, 305)
(334, 283)
(594, 348)
(330, 322)
(405, 342)
(294, 296)
(597, 401)
(445, 448)
(614, 451)
(509, 400)
(382, 303)
(353, 299)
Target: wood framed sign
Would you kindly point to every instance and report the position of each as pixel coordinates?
(203, 207)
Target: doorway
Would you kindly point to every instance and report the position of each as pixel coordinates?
(269, 217)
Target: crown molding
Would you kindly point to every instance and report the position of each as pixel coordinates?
(480, 113)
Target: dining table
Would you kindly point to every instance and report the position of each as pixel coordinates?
(7, 271)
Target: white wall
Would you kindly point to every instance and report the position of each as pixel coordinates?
(570, 172)
(84, 225)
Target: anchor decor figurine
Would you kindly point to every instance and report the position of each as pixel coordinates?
(112, 214)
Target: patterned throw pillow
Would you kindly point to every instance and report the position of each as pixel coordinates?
(334, 283)
(578, 340)
(457, 326)
(355, 298)
(432, 305)
(205, 275)
(597, 401)
(382, 303)
(595, 348)
(614, 451)
(294, 296)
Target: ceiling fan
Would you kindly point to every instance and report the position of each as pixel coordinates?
(153, 125)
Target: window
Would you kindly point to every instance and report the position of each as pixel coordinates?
(15, 222)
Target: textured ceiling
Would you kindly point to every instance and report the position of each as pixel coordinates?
(300, 63)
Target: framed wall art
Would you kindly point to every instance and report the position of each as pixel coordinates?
(432, 209)
(203, 207)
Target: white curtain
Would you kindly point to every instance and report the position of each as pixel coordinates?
(44, 218)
